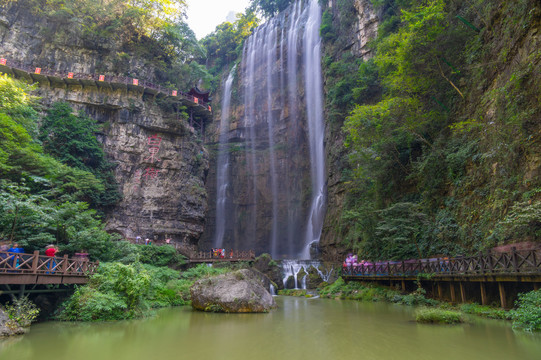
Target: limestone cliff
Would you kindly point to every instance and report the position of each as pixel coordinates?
(160, 162)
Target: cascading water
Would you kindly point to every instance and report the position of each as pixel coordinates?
(277, 184)
(294, 267)
(314, 106)
(222, 178)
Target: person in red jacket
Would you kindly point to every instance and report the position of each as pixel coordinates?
(50, 251)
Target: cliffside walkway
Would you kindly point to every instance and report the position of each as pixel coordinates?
(36, 270)
(518, 270)
(55, 78)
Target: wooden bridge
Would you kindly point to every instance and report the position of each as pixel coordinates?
(231, 256)
(483, 277)
(32, 271)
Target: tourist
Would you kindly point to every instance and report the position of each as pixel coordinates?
(168, 241)
(147, 241)
(231, 254)
(137, 239)
(16, 249)
(50, 251)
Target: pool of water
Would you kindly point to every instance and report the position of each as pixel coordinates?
(299, 329)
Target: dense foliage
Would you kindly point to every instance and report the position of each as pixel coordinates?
(224, 45)
(120, 291)
(527, 315)
(269, 8)
(438, 316)
(436, 151)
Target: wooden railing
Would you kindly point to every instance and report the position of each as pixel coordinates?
(522, 262)
(235, 255)
(19, 263)
(105, 78)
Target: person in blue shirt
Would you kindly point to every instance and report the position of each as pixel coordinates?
(16, 249)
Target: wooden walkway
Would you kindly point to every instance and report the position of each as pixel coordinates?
(501, 275)
(30, 269)
(231, 256)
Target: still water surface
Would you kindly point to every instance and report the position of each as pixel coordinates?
(300, 329)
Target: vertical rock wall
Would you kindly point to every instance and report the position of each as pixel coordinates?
(163, 191)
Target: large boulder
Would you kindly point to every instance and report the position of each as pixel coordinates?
(9, 327)
(240, 291)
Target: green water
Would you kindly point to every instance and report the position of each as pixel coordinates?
(299, 329)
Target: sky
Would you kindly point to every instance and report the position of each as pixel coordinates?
(205, 15)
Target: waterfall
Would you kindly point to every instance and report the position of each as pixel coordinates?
(270, 45)
(314, 108)
(222, 176)
(276, 186)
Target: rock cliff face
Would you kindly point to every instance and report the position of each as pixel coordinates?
(355, 37)
(160, 162)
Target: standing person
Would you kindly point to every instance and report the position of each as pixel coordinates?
(16, 249)
(146, 241)
(50, 251)
(137, 239)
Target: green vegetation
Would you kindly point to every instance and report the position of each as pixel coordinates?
(152, 30)
(485, 311)
(294, 292)
(22, 312)
(439, 137)
(438, 316)
(363, 292)
(527, 315)
(224, 45)
(269, 8)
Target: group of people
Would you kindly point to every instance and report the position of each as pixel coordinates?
(220, 253)
(50, 251)
(139, 240)
(351, 260)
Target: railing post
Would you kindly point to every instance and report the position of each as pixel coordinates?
(481, 263)
(403, 272)
(514, 258)
(64, 264)
(35, 262)
(490, 263)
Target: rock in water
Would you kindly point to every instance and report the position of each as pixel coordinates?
(239, 291)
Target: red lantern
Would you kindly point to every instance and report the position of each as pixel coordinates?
(135, 82)
(70, 75)
(3, 61)
(101, 78)
(196, 100)
(174, 93)
(38, 71)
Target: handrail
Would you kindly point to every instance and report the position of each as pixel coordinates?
(102, 78)
(21, 263)
(236, 255)
(518, 262)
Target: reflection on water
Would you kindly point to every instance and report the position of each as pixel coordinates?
(300, 328)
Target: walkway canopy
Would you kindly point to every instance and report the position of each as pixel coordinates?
(200, 94)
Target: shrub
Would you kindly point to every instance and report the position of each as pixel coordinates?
(432, 315)
(527, 315)
(22, 311)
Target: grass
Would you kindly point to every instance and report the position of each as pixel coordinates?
(438, 316)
